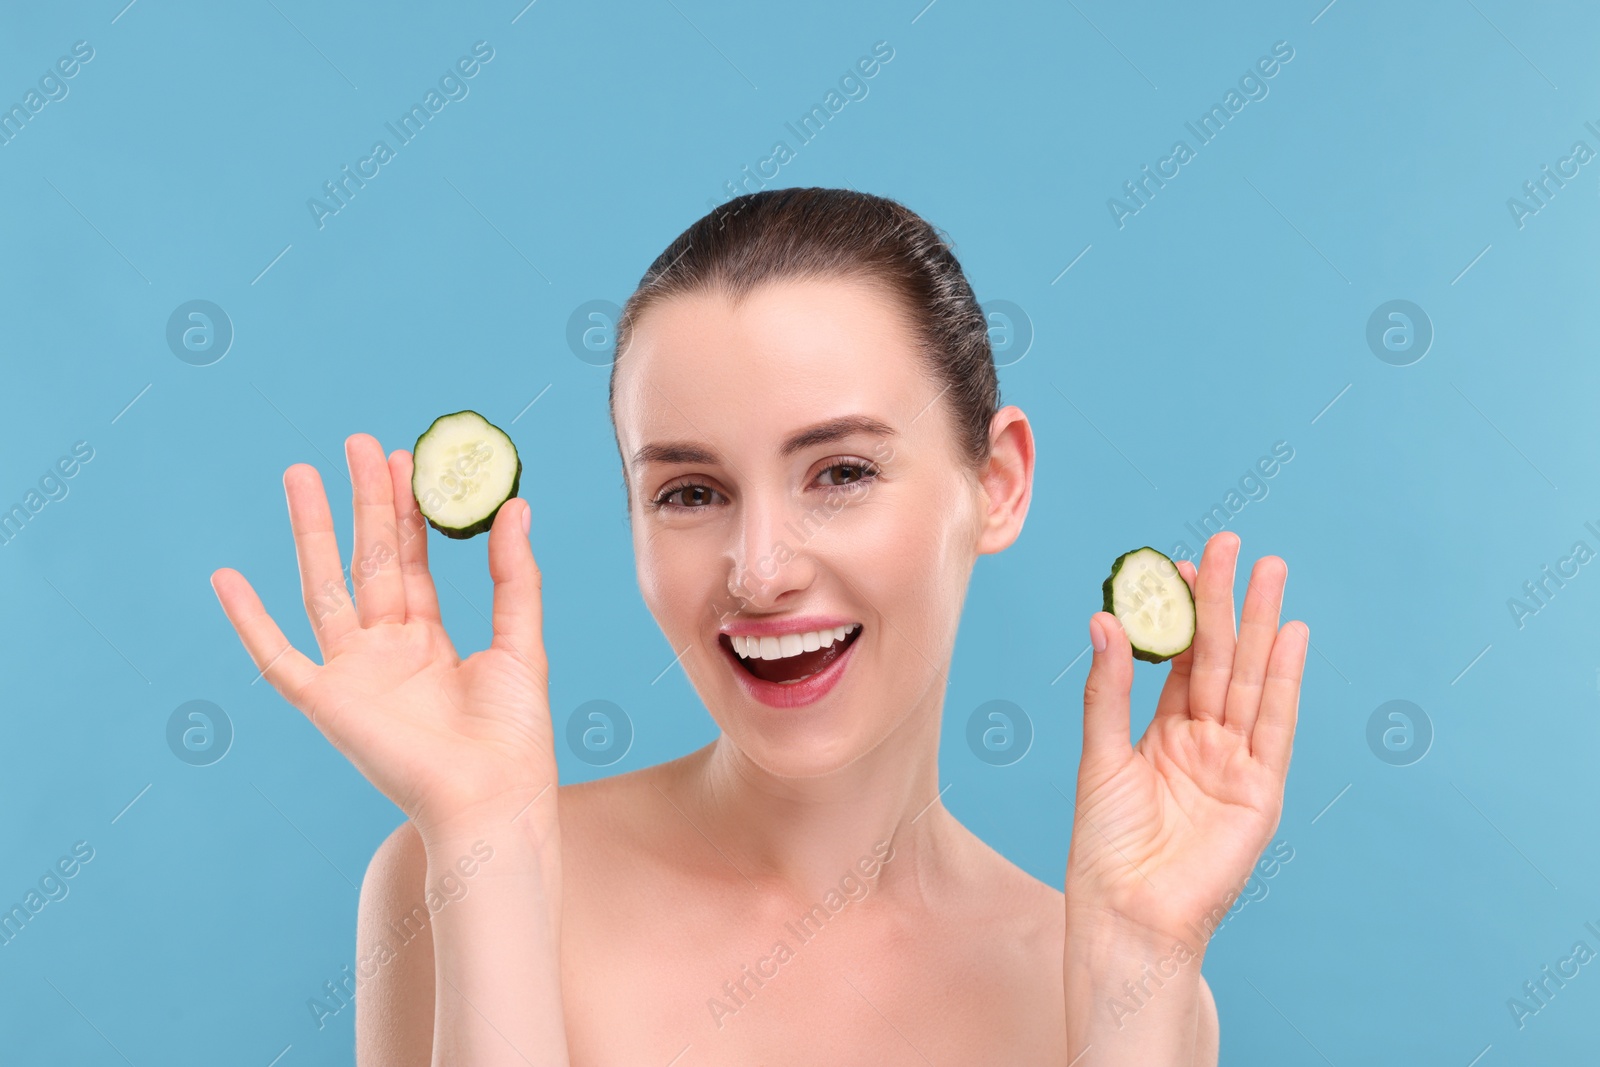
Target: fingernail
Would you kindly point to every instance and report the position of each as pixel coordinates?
(1097, 636)
(527, 518)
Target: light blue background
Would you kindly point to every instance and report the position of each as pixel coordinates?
(1224, 317)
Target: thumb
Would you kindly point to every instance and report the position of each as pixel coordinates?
(518, 586)
(1105, 694)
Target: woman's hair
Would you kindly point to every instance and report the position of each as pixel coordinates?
(779, 234)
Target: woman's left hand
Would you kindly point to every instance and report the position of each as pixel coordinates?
(1167, 831)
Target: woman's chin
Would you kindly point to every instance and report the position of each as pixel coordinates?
(790, 748)
(815, 761)
(818, 731)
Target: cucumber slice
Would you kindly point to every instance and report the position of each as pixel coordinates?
(463, 468)
(1153, 602)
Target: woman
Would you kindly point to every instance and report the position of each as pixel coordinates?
(814, 454)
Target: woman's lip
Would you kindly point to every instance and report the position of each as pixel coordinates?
(795, 624)
(798, 694)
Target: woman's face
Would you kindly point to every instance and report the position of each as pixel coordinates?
(792, 470)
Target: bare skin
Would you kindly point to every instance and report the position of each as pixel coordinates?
(639, 918)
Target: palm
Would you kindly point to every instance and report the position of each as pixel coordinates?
(1169, 827)
(482, 721)
(437, 734)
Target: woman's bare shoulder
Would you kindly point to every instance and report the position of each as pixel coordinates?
(614, 810)
(394, 961)
(625, 811)
(998, 895)
(398, 854)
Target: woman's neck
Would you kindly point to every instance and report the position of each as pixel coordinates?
(803, 832)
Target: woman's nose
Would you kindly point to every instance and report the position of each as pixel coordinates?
(771, 559)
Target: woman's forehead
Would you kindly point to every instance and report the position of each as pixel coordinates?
(789, 355)
(807, 319)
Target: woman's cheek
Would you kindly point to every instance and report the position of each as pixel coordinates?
(896, 558)
(671, 583)
(934, 565)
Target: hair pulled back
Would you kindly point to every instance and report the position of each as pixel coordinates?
(812, 233)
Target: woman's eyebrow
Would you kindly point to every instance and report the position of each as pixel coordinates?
(833, 430)
(820, 434)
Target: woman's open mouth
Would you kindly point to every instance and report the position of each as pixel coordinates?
(791, 669)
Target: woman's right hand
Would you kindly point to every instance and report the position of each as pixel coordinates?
(452, 742)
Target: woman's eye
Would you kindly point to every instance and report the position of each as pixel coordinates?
(847, 473)
(692, 496)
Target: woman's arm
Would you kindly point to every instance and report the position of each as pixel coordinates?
(1166, 832)
(1208, 1039)
(496, 949)
(425, 916)
(1135, 997)
(463, 747)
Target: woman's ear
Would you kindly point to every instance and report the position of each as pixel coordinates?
(1007, 479)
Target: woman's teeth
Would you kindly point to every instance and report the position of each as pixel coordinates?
(787, 645)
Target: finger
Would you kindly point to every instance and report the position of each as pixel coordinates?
(1174, 700)
(283, 665)
(375, 563)
(1259, 625)
(328, 603)
(518, 611)
(1214, 633)
(422, 600)
(1105, 693)
(1273, 738)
